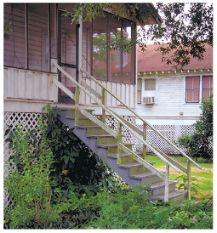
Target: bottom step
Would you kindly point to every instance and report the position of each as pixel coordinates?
(178, 195)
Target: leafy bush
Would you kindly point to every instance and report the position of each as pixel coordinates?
(130, 209)
(46, 196)
(200, 144)
(29, 185)
(75, 165)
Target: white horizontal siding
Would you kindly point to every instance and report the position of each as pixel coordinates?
(31, 85)
(126, 92)
(169, 99)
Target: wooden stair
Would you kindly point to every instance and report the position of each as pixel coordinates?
(132, 172)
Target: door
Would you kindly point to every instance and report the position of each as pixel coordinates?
(67, 53)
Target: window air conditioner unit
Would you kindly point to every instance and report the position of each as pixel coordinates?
(148, 100)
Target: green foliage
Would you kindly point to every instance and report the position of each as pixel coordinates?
(130, 209)
(186, 29)
(186, 26)
(200, 144)
(182, 183)
(29, 187)
(74, 164)
(88, 11)
(80, 192)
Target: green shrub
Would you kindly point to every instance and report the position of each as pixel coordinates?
(200, 144)
(130, 209)
(75, 165)
(29, 185)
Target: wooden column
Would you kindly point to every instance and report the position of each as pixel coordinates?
(79, 48)
(189, 179)
(77, 95)
(119, 140)
(104, 103)
(144, 138)
(166, 191)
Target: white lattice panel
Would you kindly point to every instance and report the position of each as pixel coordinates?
(29, 121)
(172, 132)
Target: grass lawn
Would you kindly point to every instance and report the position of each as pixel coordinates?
(202, 180)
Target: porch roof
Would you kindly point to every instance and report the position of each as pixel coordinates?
(141, 13)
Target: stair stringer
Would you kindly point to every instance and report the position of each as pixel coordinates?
(123, 172)
(101, 152)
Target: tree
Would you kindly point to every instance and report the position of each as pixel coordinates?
(200, 144)
(186, 29)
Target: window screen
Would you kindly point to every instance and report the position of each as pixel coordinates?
(192, 89)
(100, 43)
(207, 86)
(150, 84)
(14, 36)
(38, 37)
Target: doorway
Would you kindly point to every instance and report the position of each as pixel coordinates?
(67, 53)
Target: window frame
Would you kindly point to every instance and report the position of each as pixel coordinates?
(150, 79)
(199, 89)
(210, 86)
(121, 80)
(26, 12)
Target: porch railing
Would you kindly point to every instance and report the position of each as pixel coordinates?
(139, 134)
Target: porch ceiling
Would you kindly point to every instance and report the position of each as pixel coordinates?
(142, 14)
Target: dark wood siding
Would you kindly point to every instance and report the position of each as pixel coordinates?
(53, 30)
(38, 37)
(14, 36)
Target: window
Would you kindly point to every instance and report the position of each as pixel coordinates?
(150, 84)
(27, 21)
(99, 49)
(38, 37)
(207, 86)
(139, 91)
(113, 53)
(192, 89)
(14, 36)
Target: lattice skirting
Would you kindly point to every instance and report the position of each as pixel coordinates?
(172, 132)
(29, 121)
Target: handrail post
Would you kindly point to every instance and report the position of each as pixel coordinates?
(104, 103)
(144, 138)
(77, 95)
(166, 191)
(189, 179)
(119, 139)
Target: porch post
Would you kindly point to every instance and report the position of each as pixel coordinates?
(79, 48)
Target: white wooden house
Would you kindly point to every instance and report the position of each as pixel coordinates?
(40, 34)
(81, 69)
(171, 99)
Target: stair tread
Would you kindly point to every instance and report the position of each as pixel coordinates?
(142, 175)
(161, 184)
(172, 195)
(129, 165)
(107, 145)
(88, 126)
(101, 135)
(115, 154)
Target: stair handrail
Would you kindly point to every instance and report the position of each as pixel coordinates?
(116, 117)
(140, 118)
